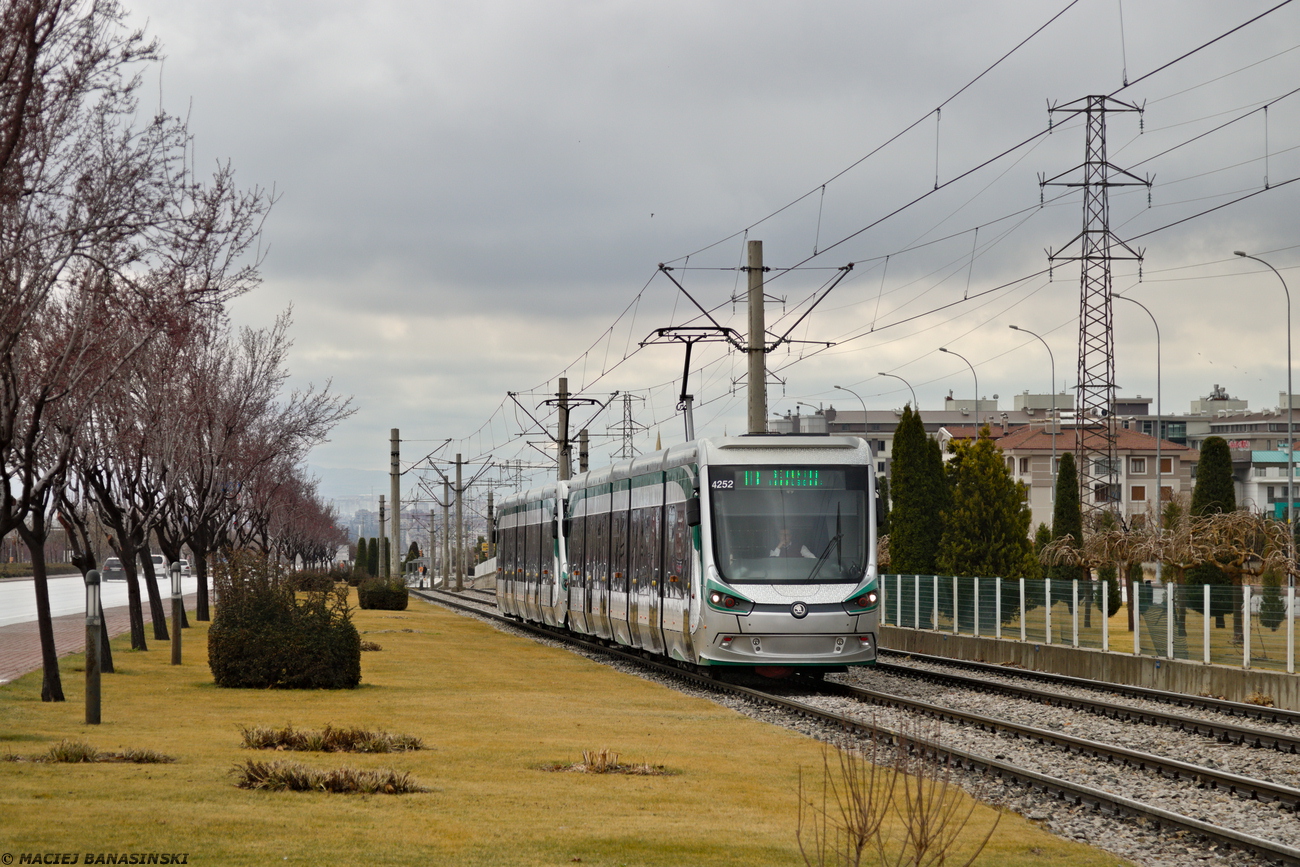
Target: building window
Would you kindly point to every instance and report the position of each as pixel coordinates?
(1024, 465)
(1166, 465)
(1261, 472)
(1137, 466)
(1166, 494)
(1139, 493)
(880, 467)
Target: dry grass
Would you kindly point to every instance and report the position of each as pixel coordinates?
(491, 707)
(604, 762)
(369, 646)
(71, 752)
(1262, 699)
(328, 740)
(293, 777)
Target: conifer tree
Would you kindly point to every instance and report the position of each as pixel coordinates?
(919, 494)
(986, 525)
(372, 557)
(1212, 494)
(1067, 515)
(884, 506)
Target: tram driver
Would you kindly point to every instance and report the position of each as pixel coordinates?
(787, 548)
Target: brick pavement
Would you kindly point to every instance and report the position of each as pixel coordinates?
(20, 643)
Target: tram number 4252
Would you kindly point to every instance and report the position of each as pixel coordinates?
(723, 483)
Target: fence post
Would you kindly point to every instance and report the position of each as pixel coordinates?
(1290, 630)
(1105, 617)
(1022, 609)
(1169, 620)
(1074, 600)
(977, 606)
(1245, 626)
(916, 594)
(954, 605)
(1205, 652)
(934, 586)
(997, 609)
(898, 606)
(1047, 591)
(1135, 617)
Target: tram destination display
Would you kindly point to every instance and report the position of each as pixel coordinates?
(751, 478)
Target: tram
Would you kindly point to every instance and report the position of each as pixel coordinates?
(736, 553)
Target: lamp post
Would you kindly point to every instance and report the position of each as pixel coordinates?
(864, 407)
(177, 604)
(1055, 425)
(1159, 469)
(92, 647)
(1290, 419)
(972, 373)
(915, 405)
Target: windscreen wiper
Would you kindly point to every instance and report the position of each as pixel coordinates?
(821, 561)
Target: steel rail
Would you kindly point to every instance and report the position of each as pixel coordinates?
(1231, 708)
(1247, 787)
(1070, 792)
(1222, 732)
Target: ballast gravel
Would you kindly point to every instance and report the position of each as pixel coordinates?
(1138, 842)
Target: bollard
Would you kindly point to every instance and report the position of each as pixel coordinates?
(178, 605)
(92, 647)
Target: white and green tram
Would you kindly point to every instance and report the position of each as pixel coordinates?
(754, 552)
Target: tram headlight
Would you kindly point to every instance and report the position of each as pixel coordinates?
(863, 601)
(730, 604)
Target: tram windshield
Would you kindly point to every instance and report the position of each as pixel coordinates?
(789, 524)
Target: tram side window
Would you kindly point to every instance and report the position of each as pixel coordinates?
(531, 538)
(618, 567)
(598, 558)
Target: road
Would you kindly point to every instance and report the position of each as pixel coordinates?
(68, 596)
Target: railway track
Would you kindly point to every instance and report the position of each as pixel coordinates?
(1067, 791)
(1223, 732)
(1179, 699)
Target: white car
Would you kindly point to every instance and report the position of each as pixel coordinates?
(185, 568)
(160, 567)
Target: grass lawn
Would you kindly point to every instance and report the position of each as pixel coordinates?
(492, 710)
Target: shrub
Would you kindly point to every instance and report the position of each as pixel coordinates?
(386, 594)
(310, 581)
(328, 740)
(266, 635)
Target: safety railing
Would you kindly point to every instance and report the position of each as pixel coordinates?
(1249, 625)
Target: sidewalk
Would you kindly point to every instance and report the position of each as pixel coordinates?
(20, 643)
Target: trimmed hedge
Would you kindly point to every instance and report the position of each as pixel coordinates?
(384, 594)
(264, 634)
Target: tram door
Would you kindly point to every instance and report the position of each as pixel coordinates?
(620, 561)
(598, 569)
(677, 568)
(533, 566)
(646, 588)
(576, 539)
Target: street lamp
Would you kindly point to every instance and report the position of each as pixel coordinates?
(915, 405)
(972, 373)
(92, 647)
(861, 401)
(1055, 424)
(1290, 425)
(1159, 469)
(177, 602)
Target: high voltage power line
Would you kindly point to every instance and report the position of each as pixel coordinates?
(629, 313)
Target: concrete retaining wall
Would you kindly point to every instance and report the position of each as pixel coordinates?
(1174, 675)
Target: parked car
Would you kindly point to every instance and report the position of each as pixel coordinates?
(185, 568)
(160, 567)
(112, 570)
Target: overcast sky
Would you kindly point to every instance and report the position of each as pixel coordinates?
(474, 197)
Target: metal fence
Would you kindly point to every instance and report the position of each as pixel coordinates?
(1252, 625)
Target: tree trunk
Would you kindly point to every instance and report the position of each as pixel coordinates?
(198, 544)
(156, 612)
(133, 599)
(52, 685)
(1131, 589)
